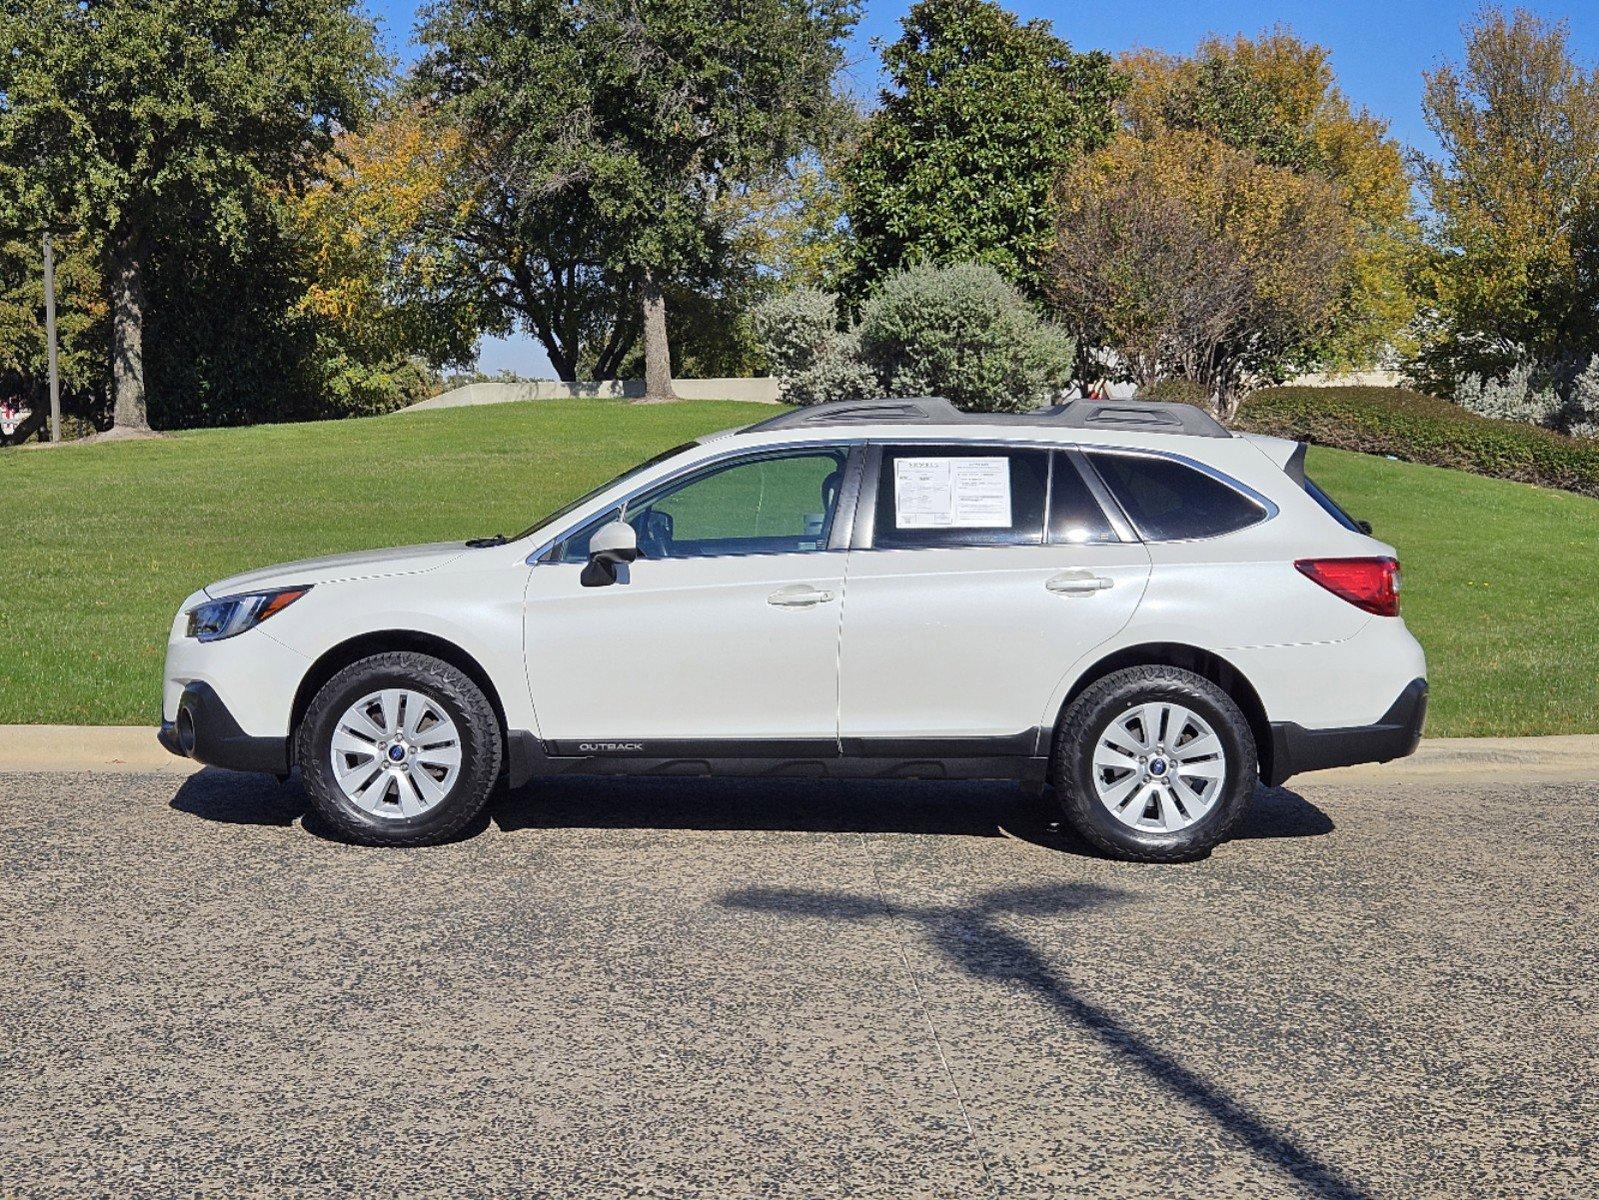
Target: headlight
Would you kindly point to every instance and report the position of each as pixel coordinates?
(218, 619)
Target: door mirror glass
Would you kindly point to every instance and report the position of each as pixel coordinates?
(613, 544)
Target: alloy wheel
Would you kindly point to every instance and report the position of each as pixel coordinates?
(396, 753)
(1159, 767)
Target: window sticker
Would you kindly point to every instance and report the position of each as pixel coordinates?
(952, 493)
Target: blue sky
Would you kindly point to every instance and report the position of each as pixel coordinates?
(1379, 50)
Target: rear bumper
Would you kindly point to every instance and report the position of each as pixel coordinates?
(1295, 749)
(207, 732)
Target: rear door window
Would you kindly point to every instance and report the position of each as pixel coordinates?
(960, 495)
(1169, 501)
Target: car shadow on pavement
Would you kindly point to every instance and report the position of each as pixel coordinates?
(235, 798)
(970, 936)
(804, 806)
(829, 806)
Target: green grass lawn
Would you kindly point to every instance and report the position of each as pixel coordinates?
(102, 542)
(1501, 584)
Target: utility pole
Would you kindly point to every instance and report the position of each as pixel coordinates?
(50, 336)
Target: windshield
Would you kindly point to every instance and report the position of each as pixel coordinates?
(604, 487)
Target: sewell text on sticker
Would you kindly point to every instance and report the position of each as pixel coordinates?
(952, 493)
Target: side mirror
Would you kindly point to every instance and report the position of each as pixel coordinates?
(612, 544)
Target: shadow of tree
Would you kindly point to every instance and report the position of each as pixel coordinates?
(970, 937)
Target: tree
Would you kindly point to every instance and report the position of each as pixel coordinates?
(377, 270)
(606, 133)
(962, 332)
(1514, 273)
(793, 228)
(1275, 99)
(959, 331)
(1188, 257)
(959, 161)
(81, 323)
(148, 122)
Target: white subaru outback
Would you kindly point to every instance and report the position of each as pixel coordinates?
(1122, 600)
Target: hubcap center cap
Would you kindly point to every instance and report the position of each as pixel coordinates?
(396, 753)
(1157, 767)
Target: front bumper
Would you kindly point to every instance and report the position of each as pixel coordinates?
(207, 732)
(1295, 749)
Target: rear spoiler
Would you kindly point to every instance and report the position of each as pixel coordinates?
(1283, 453)
(1295, 466)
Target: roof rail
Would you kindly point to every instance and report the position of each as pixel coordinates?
(1146, 416)
(923, 410)
(1141, 416)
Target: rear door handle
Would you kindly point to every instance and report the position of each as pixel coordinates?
(799, 595)
(1077, 583)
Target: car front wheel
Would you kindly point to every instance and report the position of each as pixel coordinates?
(399, 749)
(1155, 764)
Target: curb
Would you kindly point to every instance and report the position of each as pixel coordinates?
(1563, 758)
(133, 750)
(95, 749)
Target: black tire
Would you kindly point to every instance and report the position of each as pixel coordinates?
(1086, 721)
(449, 688)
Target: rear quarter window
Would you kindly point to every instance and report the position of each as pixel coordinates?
(1169, 501)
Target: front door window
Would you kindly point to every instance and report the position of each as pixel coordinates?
(771, 504)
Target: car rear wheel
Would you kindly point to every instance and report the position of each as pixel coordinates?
(399, 749)
(1155, 764)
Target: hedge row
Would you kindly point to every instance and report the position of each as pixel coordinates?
(1424, 429)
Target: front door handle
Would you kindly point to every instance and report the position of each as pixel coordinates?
(799, 595)
(1077, 583)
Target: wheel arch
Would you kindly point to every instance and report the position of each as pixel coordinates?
(1204, 663)
(352, 650)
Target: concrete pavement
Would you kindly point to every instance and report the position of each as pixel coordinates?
(718, 989)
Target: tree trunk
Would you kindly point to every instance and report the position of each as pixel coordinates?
(127, 334)
(657, 352)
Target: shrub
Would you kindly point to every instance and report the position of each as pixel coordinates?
(1177, 390)
(1582, 401)
(813, 359)
(962, 332)
(1563, 395)
(1424, 429)
(1516, 397)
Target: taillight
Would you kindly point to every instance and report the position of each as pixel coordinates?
(1368, 583)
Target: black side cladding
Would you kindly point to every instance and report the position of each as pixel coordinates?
(1396, 734)
(217, 739)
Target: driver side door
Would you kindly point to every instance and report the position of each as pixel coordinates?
(721, 638)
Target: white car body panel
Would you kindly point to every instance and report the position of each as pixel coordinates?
(256, 677)
(362, 564)
(929, 643)
(965, 641)
(687, 648)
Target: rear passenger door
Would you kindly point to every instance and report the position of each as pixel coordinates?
(978, 575)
